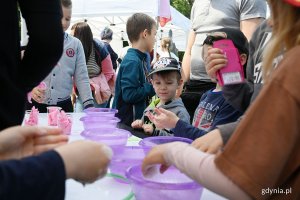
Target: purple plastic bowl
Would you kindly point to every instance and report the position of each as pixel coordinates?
(105, 123)
(115, 138)
(100, 112)
(126, 157)
(171, 185)
(153, 141)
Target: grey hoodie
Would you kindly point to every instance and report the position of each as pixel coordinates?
(176, 106)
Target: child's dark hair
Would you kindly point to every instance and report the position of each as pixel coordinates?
(66, 3)
(236, 36)
(136, 24)
(83, 32)
(165, 74)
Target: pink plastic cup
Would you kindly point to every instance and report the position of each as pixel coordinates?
(53, 112)
(64, 121)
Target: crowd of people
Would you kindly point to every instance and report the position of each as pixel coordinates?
(245, 135)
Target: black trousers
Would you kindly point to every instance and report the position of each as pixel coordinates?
(66, 105)
(192, 93)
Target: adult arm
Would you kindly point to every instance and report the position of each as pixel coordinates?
(252, 13)
(38, 177)
(45, 45)
(243, 99)
(197, 165)
(186, 60)
(248, 26)
(226, 130)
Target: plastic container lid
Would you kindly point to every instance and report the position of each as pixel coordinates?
(116, 137)
(100, 111)
(106, 119)
(156, 140)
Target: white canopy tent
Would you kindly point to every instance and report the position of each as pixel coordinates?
(114, 13)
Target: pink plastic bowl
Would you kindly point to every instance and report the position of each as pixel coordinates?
(113, 138)
(104, 123)
(126, 157)
(153, 141)
(171, 185)
(100, 112)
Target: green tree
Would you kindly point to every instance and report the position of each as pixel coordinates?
(183, 6)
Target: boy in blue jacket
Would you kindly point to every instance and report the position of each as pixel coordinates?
(213, 109)
(133, 89)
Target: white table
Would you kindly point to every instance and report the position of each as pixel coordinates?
(106, 188)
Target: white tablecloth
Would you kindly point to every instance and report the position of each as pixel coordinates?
(106, 188)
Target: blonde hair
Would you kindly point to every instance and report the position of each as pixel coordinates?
(285, 35)
(166, 43)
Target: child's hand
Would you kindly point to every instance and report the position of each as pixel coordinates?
(155, 156)
(210, 143)
(38, 94)
(214, 61)
(163, 118)
(148, 129)
(137, 124)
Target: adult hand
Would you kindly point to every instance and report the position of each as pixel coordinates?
(137, 124)
(38, 94)
(210, 143)
(163, 118)
(155, 156)
(85, 161)
(214, 61)
(21, 141)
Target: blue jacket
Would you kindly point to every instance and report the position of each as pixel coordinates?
(133, 90)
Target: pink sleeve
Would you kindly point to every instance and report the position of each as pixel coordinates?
(107, 68)
(201, 167)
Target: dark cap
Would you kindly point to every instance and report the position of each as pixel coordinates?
(235, 35)
(165, 64)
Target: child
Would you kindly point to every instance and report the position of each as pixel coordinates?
(262, 158)
(164, 50)
(213, 109)
(70, 67)
(99, 65)
(239, 95)
(133, 89)
(166, 79)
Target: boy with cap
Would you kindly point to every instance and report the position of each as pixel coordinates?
(213, 109)
(166, 79)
